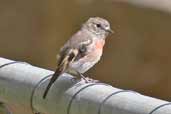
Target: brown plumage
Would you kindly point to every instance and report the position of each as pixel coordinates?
(83, 50)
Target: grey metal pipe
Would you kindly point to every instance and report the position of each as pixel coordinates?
(22, 87)
(17, 82)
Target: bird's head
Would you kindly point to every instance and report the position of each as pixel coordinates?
(98, 26)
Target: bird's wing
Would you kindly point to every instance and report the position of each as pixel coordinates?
(79, 41)
(68, 55)
(79, 38)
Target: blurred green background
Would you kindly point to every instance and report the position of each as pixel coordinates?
(136, 57)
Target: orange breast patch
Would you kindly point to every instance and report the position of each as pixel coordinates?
(100, 44)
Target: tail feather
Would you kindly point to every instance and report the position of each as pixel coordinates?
(62, 66)
(54, 77)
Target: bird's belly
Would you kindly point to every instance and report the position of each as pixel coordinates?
(88, 61)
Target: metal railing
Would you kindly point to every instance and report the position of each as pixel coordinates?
(22, 86)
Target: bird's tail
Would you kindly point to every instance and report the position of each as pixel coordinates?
(62, 66)
(52, 80)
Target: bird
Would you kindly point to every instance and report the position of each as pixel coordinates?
(83, 50)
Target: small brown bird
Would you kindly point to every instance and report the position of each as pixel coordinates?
(83, 50)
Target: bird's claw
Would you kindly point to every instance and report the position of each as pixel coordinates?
(85, 79)
(74, 80)
(89, 80)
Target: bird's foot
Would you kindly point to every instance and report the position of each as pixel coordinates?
(74, 80)
(85, 79)
(90, 80)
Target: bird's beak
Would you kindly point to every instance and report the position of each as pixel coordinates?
(110, 31)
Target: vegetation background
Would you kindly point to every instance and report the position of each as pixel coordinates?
(136, 57)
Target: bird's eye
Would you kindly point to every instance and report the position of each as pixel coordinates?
(98, 25)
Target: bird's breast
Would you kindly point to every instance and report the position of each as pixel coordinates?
(96, 46)
(95, 49)
(92, 56)
(99, 44)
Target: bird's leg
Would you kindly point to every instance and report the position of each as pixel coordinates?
(83, 77)
(87, 79)
(76, 73)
